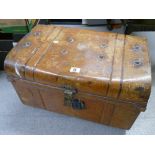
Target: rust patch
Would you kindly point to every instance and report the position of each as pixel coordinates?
(140, 89)
(89, 82)
(141, 92)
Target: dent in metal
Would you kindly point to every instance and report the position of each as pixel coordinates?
(101, 57)
(137, 48)
(64, 52)
(104, 45)
(70, 39)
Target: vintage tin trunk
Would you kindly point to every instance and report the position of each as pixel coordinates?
(99, 76)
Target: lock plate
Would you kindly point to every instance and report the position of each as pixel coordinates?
(69, 93)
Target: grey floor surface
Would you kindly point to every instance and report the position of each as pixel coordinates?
(16, 118)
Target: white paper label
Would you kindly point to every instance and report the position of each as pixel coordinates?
(75, 70)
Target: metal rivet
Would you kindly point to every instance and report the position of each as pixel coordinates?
(70, 39)
(137, 48)
(37, 33)
(64, 51)
(137, 62)
(26, 44)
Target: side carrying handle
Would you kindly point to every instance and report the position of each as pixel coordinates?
(70, 101)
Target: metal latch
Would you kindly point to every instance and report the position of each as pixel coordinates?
(68, 96)
(69, 99)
